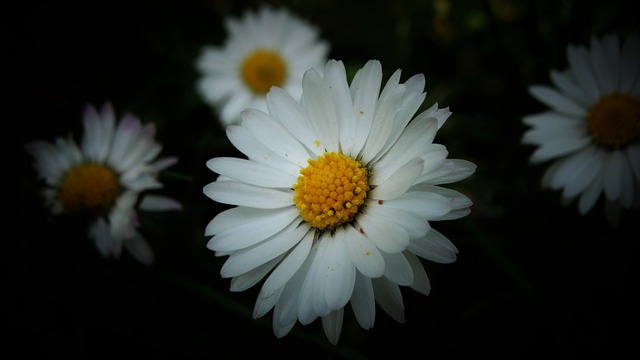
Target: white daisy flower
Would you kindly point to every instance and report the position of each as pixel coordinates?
(107, 177)
(265, 48)
(592, 130)
(335, 198)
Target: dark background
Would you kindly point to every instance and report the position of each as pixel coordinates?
(533, 278)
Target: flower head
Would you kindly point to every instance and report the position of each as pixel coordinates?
(265, 48)
(335, 198)
(107, 178)
(591, 132)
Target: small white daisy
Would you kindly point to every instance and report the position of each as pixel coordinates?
(592, 129)
(268, 47)
(107, 178)
(335, 198)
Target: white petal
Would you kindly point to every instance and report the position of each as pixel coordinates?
(365, 89)
(152, 202)
(233, 193)
(251, 172)
(397, 269)
(340, 274)
(421, 281)
(250, 229)
(452, 170)
(363, 253)
(386, 235)
(427, 205)
(274, 137)
(363, 302)
(286, 269)
(582, 70)
(435, 247)
(247, 280)
(413, 225)
(244, 141)
(389, 298)
(318, 102)
(247, 259)
(332, 325)
(399, 181)
(557, 101)
(292, 116)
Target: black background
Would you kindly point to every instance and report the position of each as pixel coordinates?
(533, 278)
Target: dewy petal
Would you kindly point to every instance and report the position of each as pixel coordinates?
(399, 182)
(363, 253)
(246, 170)
(233, 193)
(557, 101)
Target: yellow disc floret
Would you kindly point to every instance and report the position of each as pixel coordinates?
(92, 187)
(615, 120)
(330, 190)
(263, 69)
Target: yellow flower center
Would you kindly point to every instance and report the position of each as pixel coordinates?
(615, 120)
(92, 187)
(330, 190)
(263, 69)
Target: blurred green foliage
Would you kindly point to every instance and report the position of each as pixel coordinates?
(533, 277)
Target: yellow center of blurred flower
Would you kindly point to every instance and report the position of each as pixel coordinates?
(263, 69)
(615, 120)
(330, 190)
(91, 187)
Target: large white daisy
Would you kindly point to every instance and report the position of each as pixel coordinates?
(267, 47)
(592, 129)
(108, 178)
(335, 198)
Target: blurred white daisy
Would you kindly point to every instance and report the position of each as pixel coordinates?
(335, 198)
(107, 177)
(267, 47)
(592, 129)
